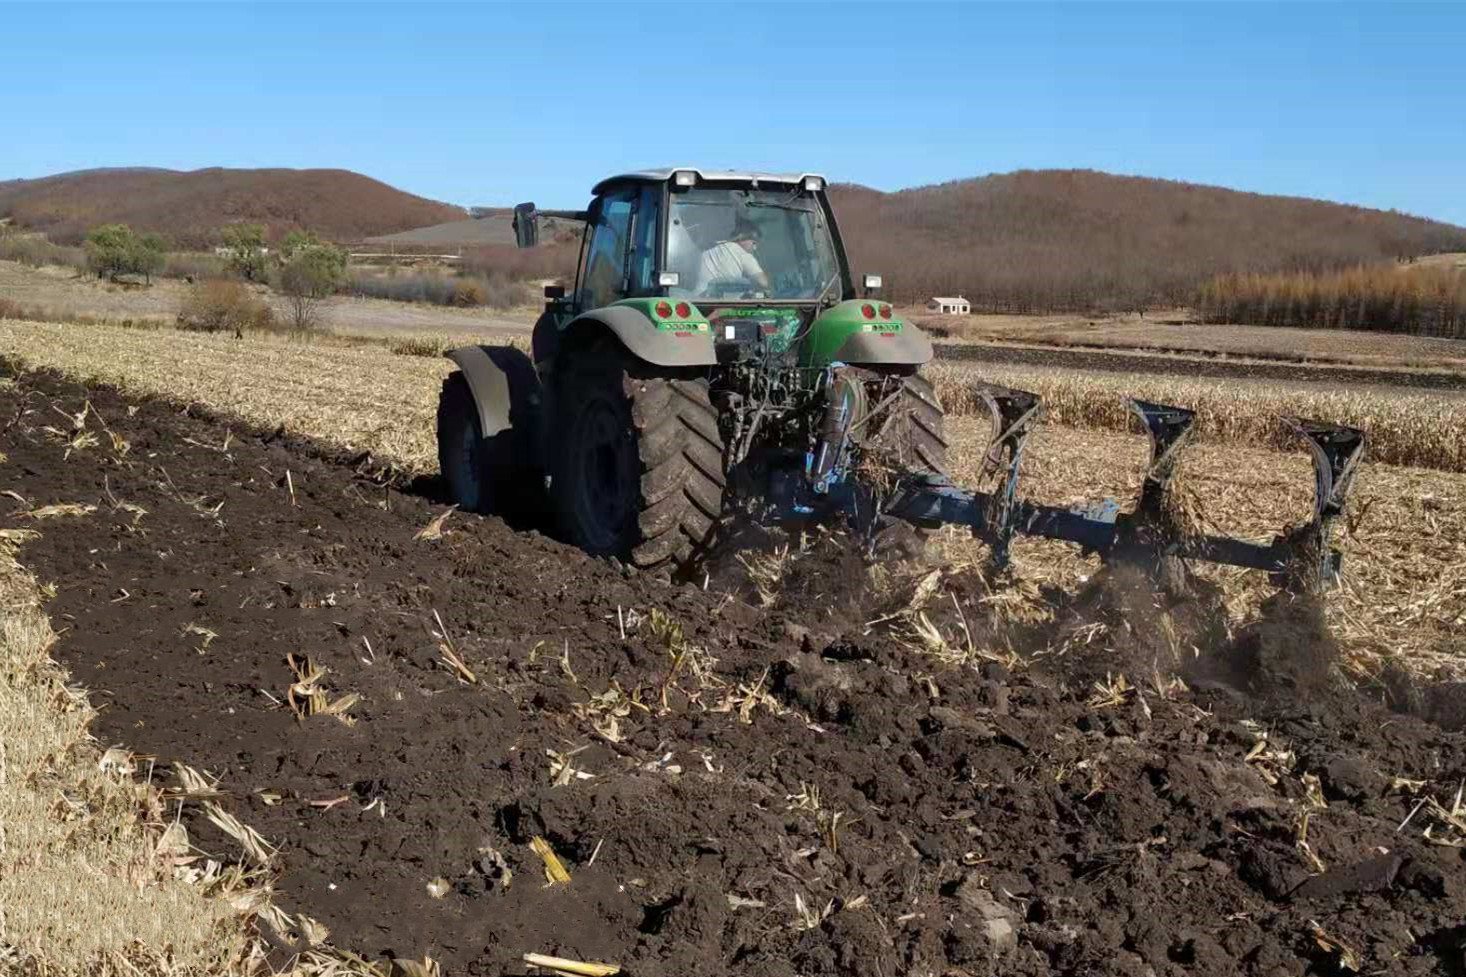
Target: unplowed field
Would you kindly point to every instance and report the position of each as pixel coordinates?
(769, 786)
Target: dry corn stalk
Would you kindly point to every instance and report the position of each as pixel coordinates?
(248, 838)
(450, 653)
(307, 695)
(555, 869)
(1111, 692)
(434, 529)
(61, 509)
(1348, 959)
(1272, 764)
(576, 968)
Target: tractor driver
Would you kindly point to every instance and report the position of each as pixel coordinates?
(732, 261)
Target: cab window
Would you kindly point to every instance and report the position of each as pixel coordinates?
(644, 240)
(604, 279)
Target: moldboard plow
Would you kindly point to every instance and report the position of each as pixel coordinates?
(1302, 558)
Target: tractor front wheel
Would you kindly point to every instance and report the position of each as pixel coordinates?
(639, 464)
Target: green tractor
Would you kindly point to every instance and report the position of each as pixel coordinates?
(714, 356)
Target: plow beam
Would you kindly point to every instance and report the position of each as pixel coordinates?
(1301, 559)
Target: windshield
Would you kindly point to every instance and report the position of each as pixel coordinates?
(741, 243)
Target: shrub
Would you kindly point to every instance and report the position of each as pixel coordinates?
(503, 292)
(35, 251)
(532, 264)
(467, 292)
(194, 267)
(412, 287)
(223, 304)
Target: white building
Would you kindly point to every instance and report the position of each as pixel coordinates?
(949, 306)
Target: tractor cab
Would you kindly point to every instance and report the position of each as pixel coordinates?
(706, 237)
(751, 260)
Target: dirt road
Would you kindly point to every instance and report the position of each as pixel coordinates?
(733, 788)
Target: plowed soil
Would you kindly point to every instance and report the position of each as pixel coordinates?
(775, 791)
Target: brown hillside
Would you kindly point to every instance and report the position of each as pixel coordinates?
(190, 207)
(1078, 239)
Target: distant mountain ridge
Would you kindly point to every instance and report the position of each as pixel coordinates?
(1032, 240)
(1080, 239)
(189, 207)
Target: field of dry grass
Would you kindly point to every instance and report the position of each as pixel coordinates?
(61, 294)
(273, 380)
(1405, 599)
(1176, 331)
(1405, 427)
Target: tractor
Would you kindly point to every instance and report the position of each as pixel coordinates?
(715, 358)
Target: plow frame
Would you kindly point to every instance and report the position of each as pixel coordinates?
(1301, 559)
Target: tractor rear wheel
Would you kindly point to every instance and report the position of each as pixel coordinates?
(638, 470)
(912, 432)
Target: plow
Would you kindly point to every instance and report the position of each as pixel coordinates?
(1302, 559)
(715, 358)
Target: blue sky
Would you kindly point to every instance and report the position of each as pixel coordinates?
(495, 103)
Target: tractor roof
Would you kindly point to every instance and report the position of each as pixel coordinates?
(663, 173)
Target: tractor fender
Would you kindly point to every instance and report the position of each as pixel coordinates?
(660, 347)
(909, 346)
(506, 391)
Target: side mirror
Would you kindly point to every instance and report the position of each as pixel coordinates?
(871, 283)
(526, 225)
(554, 292)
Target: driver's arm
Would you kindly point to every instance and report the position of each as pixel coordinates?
(753, 270)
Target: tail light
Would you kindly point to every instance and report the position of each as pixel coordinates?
(664, 310)
(868, 310)
(885, 312)
(683, 310)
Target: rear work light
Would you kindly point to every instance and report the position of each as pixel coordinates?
(885, 312)
(683, 310)
(868, 310)
(664, 310)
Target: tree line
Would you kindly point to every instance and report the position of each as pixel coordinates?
(1421, 300)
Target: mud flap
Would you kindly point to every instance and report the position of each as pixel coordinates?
(506, 390)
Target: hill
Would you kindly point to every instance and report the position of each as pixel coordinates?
(1078, 239)
(492, 226)
(190, 207)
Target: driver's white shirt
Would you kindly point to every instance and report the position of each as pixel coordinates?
(727, 261)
